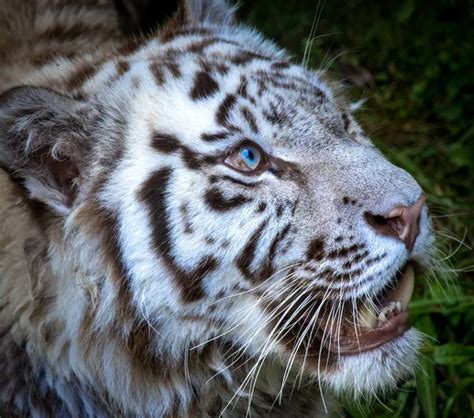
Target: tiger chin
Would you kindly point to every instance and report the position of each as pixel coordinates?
(191, 224)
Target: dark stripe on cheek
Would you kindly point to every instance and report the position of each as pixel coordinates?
(153, 194)
(267, 270)
(165, 143)
(344, 252)
(218, 202)
(280, 236)
(248, 253)
(239, 182)
(193, 280)
(204, 86)
(316, 250)
(184, 211)
(191, 159)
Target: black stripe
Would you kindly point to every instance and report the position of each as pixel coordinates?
(224, 109)
(344, 252)
(218, 136)
(204, 86)
(267, 270)
(165, 143)
(153, 193)
(217, 201)
(244, 261)
(168, 144)
(240, 182)
(250, 118)
(316, 250)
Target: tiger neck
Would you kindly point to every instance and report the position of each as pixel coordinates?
(79, 327)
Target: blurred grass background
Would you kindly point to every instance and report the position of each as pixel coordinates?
(411, 61)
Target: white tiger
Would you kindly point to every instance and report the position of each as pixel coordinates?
(196, 225)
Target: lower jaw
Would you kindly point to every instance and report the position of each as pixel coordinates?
(378, 326)
(362, 350)
(373, 339)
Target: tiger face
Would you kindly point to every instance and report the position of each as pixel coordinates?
(248, 206)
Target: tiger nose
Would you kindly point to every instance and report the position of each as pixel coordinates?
(401, 222)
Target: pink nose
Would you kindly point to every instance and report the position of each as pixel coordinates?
(401, 222)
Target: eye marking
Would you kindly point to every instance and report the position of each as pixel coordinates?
(247, 158)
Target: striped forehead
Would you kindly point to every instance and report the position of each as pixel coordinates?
(263, 105)
(198, 86)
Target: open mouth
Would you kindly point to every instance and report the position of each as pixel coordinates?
(378, 321)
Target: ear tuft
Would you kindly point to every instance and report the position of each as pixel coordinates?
(44, 143)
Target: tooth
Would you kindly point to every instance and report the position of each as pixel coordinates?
(398, 306)
(382, 317)
(404, 289)
(387, 312)
(367, 317)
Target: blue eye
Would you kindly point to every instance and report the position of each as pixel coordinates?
(247, 158)
(250, 156)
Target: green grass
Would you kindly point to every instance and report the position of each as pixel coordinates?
(411, 61)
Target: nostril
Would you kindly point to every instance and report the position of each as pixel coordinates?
(401, 222)
(390, 226)
(378, 220)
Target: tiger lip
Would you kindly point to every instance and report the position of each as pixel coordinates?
(378, 326)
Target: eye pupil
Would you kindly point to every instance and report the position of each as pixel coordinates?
(249, 154)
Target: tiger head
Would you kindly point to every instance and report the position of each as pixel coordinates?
(209, 187)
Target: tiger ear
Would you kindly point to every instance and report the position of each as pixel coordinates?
(196, 12)
(44, 143)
